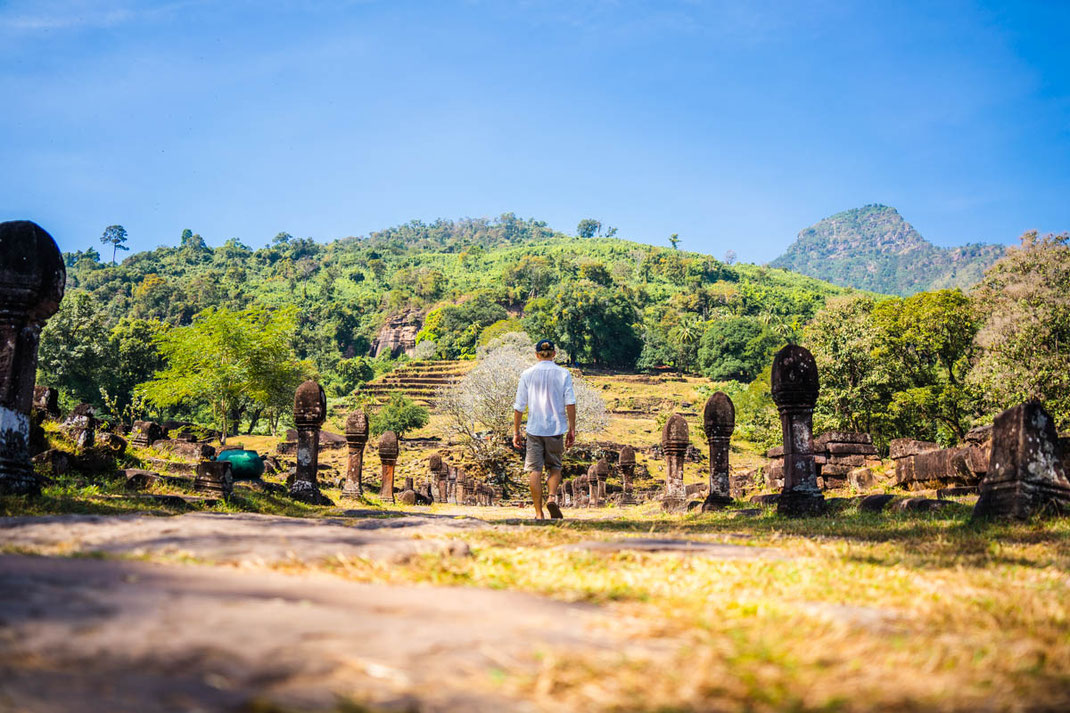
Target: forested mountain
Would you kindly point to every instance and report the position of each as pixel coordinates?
(607, 302)
(873, 248)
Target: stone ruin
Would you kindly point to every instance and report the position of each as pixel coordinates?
(844, 457)
(145, 433)
(626, 463)
(388, 456)
(795, 389)
(32, 279)
(214, 477)
(46, 401)
(310, 409)
(718, 421)
(440, 477)
(921, 464)
(356, 440)
(1026, 475)
(675, 439)
(81, 426)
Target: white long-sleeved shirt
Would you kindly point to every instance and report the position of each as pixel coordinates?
(545, 389)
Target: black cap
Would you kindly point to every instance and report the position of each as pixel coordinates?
(544, 345)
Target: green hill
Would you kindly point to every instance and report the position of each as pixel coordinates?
(873, 248)
(606, 301)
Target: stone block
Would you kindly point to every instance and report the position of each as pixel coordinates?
(55, 462)
(863, 449)
(905, 447)
(854, 461)
(831, 470)
(841, 437)
(185, 449)
(904, 470)
(1026, 475)
(862, 479)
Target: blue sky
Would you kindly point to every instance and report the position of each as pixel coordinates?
(734, 125)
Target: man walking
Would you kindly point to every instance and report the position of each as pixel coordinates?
(545, 389)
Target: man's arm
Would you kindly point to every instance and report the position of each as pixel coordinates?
(570, 437)
(570, 410)
(516, 428)
(519, 404)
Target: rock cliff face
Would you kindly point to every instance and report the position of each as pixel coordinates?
(398, 335)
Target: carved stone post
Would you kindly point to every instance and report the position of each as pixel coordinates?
(452, 498)
(627, 469)
(795, 389)
(32, 278)
(719, 420)
(356, 439)
(310, 408)
(388, 456)
(601, 472)
(674, 441)
(1026, 472)
(439, 476)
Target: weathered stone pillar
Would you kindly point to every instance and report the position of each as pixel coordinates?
(32, 278)
(310, 408)
(388, 456)
(356, 439)
(1026, 469)
(439, 477)
(627, 469)
(452, 482)
(719, 420)
(601, 472)
(674, 441)
(795, 389)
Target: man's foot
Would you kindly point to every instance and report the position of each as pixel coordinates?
(555, 512)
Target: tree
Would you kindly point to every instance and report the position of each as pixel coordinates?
(1023, 304)
(114, 235)
(588, 228)
(730, 257)
(926, 340)
(856, 388)
(593, 324)
(736, 349)
(674, 240)
(226, 359)
(74, 355)
(400, 415)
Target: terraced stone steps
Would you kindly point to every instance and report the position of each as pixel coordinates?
(420, 381)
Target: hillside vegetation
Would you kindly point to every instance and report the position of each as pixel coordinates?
(874, 248)
(605, 301)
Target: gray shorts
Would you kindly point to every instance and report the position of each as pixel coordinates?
(544, 451)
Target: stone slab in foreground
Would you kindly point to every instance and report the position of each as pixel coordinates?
(238, 538)
(87, 635)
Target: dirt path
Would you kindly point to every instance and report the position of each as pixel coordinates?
(82, 634)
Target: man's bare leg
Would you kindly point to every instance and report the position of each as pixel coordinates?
(553, 481)
(535, 481)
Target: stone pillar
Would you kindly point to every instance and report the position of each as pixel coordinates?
(674, 441)
(795, 389)
(32, 278)
(627, 469)
(439, 477)
(1026, 469)
(452, 476)
(310, 408)
(601, 472)
(719, 420)
(356, 439)
(388, 456)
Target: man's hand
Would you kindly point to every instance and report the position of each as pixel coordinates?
(516, 440)
(570, 438)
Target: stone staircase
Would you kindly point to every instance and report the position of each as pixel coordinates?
(419, 380)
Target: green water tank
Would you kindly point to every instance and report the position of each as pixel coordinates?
(244, 465)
